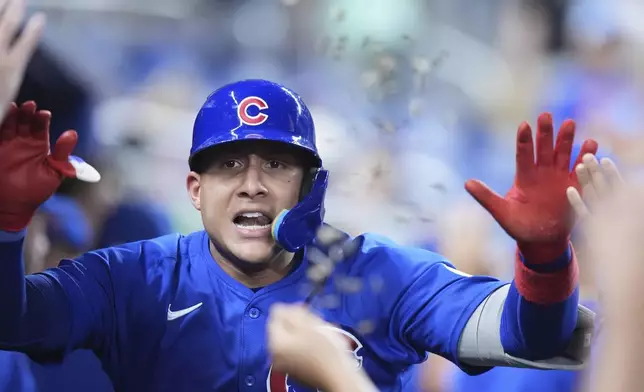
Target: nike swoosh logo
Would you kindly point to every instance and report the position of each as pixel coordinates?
(180, 313)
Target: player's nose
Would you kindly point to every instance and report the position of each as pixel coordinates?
(252, 185)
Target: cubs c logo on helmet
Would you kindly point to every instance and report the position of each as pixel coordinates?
(248, 119)
(279, 382)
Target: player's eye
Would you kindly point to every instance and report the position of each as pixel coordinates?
(231, 164)
(275, 164)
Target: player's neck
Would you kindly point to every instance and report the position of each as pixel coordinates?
(255, 275)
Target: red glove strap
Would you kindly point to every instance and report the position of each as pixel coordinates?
(14, 223)
(549, 287)
(540, 253)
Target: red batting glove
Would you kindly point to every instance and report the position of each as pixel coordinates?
(29, 173)
(536, 212)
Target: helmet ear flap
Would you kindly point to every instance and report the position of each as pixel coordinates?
(307, 182)
(293, 229)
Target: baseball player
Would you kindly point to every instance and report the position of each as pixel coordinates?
(188, 312)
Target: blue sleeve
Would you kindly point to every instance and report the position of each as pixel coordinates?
(540, 311)
(46, 315)
(508, 379)
(15, 373)
(435, 308)
(80, 371)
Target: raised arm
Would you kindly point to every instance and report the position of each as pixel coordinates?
(536, 320)
(537, 314)
(48, 314)
(52, 312)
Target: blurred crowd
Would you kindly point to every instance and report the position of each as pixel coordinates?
(410, 98)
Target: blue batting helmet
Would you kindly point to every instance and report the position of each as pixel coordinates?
(133, 220)
(258, 109)
(251, 110)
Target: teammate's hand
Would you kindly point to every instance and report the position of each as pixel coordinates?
(535, 212)
(301, 346)
(15, 54)
(612, 223)
(29, 172)
(599, 182)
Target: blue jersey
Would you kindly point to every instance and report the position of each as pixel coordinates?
(517, 380)
(79, 372)
(15, 373)
(163, 316)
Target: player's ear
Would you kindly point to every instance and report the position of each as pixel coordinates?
(193, 185)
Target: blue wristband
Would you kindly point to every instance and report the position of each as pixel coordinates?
(12, 236)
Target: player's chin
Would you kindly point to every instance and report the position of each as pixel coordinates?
(254, 252)
(252, 245)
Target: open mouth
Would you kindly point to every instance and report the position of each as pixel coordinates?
(252, 220)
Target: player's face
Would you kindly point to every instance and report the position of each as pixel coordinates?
(245, 186)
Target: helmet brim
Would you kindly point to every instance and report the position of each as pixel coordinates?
(269, 135)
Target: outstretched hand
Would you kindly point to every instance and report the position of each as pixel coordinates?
(29, 172)
(535, 212)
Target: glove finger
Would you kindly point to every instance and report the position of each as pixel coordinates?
(64, 146)
(545, 137)
(525, 151)
(8, 130)
(563, 146)
(40, 125)
(69, 165)
(589, 146)
(490, 200)
(25, 117)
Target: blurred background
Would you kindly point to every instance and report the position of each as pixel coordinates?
(410, 99)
